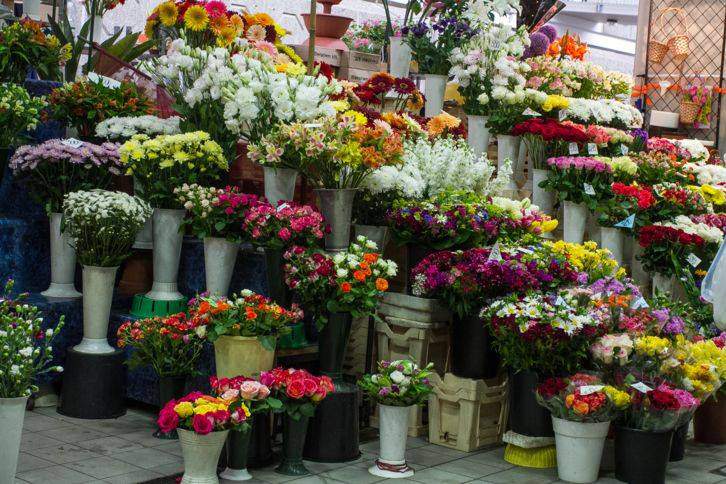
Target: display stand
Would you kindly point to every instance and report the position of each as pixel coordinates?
(93, 385)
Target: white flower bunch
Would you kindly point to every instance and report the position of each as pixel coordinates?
(124, 127)
(508, 81)
(103, 224)
(345, 263)
(699, 153)
(433, 167)
(515, 209)
(603, 112)
(707, 174)
(481, 12)
(712, 235)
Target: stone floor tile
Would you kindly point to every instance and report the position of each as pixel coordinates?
(63, 453)
(427, 458)
(56, 475)
(172, 447)
(352, 474)
(120, 425)
(321, 479)
(73, 434)
(521, 476)
(32, 440)
(447, 451)
(268, 474)
(142, 437)
(494, 458)
(147, 458)
(320, 467)
(102, 467)
(434, 475)
(415, 442)
(109, 445)
(35, 422)
(29, 462)
(469, 468)
(169, 469)
(135, 477)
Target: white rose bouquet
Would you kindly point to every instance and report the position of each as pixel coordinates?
(103, 225)
(122, 128)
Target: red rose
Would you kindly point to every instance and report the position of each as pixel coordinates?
(311, 386)
(168, 419)
(661, 400)
(203, 424)
(296, 389)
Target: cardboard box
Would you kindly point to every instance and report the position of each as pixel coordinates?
(333, 57)
(361, 60)
(355, 75)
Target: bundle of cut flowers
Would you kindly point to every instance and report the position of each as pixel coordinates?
(624, 201)
(694, 150)
(658, 408)
(522, 222)
(246, 396)
(370, 36)
(103, 225)
(581, 398)
(398, 383)
(383, 90)
(673, 200)
(247, 314)
(26, 346)
(702, 369)
(122, 128)
(162, 163)
(717, 220)
(657, 167)
(568, 177)
(284, 226)
(576, 78)
(199, 413)
(171, 345)
(53, 169)
(464, 280)
(543, 332)
(547, 138)
(350, 281)
(610, 141)
(603, 112)
(215, 212)
(21, 112)
(591, 262)
(26, 45)
(299, 391)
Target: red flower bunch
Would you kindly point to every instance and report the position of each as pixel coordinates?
(660, 234)
(551, 387)
(551, 130)
(585, 404)
(197, 412)
(661, 399)
(644, 195)
(287, 225)
(374, 90)
(297, 384)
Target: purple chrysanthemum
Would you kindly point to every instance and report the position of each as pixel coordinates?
(550, 31)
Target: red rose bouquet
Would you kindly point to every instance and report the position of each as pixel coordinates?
(198, 413)
(660, 408)
(581, 398)
(287, 225)
(547, 138)
(624, 201)
(298, 390)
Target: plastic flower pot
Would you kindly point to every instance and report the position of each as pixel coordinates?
(709, 422)
(201, 454)
(12, 413)
(526, 416)
(279, 184)
(399, 58)
(237, 449)
(276, 287)
(293, 441)
(678, 446)
(220, 256)
(170, 388)
(579, 449)
(393, 424)
(240, 355)
(612, 238)
(434, 90)
(375, 233)
(544, 199)
(641, 456)
(166, 224)
(472, 355)
(62, 262)
(98, 283)
(575, 221)
(478, 135)
(333, 341)
(508, 149)
(336, 206)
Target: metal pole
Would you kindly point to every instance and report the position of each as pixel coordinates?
(92, 13)
(311, 40)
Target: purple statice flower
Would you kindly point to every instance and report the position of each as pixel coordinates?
(550, 31)
(538, 44)
(580, 163)
(640, 133)
(29, 157)
(675, 325)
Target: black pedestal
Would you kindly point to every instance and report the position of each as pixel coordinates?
(333, 431)
(93, 385)
(259, 451)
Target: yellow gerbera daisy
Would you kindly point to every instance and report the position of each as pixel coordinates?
(168, 13)
(226, 36)
(237, 22)
(196, 18)
(217, 24)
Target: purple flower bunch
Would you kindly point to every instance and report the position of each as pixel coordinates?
(579, 163)
(89, 155)
(669, 324)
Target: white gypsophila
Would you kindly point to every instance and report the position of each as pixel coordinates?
(707, 174)
(603, 112)
(708, 233)
(124, 127)
(699, 153)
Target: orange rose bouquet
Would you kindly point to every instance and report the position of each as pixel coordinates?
(581, 398)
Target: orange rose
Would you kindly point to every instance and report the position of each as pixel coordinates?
(371, 257)
(251, 314)
(345, 287)
(569, 399)
(203, 308)
(359, 276)
(381, 284)
(363, 265)
(581, 408)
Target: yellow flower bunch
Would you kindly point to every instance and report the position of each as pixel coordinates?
(652, 346)
(703, 365)
(624, 164)
(711, 194)
(586, 257)
(358, 118)
(544, 226)
(619, 398)
(555, 101)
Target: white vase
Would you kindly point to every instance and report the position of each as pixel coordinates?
(478, 135)
(579, 449)
(541, 197)
(98, 283)
(434, 91)
(31, 8)
(12, 414)
(279, 184)
(220, 256)
(611, 238)
(98, 29)
(663, 284)
(393, 425)
(201, 453)
(379, 234)
(575, 221)
(508, 149)
(62, 262)
(399, 58)
(167, 252)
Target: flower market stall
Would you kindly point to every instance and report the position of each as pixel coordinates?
(316, 259)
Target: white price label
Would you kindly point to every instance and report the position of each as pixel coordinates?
(592, 149)
(589, 190)
(624, 150)
(530, 112)
(106, 81)
(282, 206)
(72, 142)
(574, 149)
(313, 125)
(495, 254)
(640, 303)
(641, 387)
(525, 250)
(588, 389)
(562, 115)
(559, 301)
(693, 259)
(496, 44)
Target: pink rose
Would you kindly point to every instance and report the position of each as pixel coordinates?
(284, 233)
(168, 419)
(203, 424)
(230, 394)
(263, 393)
(311, 387)
(249, 389)
(296, 389)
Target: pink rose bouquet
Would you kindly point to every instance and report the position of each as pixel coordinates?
(579, 179)
(298, 390)
(287, 225)
(199, 413)
(243, 393)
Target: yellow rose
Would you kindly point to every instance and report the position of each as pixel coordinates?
(184, 409)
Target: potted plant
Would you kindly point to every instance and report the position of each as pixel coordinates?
(216, 217)
(244, 330)
(256, 397)
(161, 164)
(171, 346)
(300, 392)
(52, 170)
(202, 423)
(26, 46)
(397, 387)
(101, 227)
(27, 354)
(22, 114)
(582, 408)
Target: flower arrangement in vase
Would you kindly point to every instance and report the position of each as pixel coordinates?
(370, 36)
(25, 46)
(21, 115)
(123, 128)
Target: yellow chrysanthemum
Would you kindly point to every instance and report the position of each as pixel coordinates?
(196, 18)
(713, 194)
(357, 117)
(652, 346)
(291, 69)
(340, 106)
(555, 101)
(168, 13)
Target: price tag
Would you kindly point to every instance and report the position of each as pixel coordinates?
(525, 250)
(282, 206)
(592, 149)
(693, 259)
(589, 190)
(574, 149)
(641, 387)
(588, 389)
(530, 112)
(559, 301)
(106, 81)
(562, 115)
(495, 254)
(626, 223)
(640, 303)
(72, 142)
(624, 150)
(313, 125)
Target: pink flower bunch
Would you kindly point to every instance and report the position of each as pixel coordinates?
(297, 384)
(598, 135)
(662, 145)
(196, 411)
(579, 163)
(717, 220)
(54, 151)
(287, 225)
(239, 387)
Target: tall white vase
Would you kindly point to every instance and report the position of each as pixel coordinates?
(167, 252)
(12, 413)
(220, 256)
(400, 57)
(98, 29)
(62, 262)
(575, 216)
(145, 237)
(611, 238)
(637, 272)
(98, 283)
(508, 149)
(201, 453)
(579, 449)
(541, 197)
(391, 463)
(279, 184)
(478, 135)
(434, 91)
(31, 8)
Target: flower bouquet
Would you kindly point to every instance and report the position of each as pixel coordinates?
(591, 263)
(102, 227)
(656, 167)
(576, 78)
(21, 114)
(397, 387)
(287, 225)
(369, 36)
(25, 46)
(123, 128)
(383, 92)
(547, 138)
(26, 355)
(673, 200)
(603, 112)
(624, 201)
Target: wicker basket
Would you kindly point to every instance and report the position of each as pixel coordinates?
(658, 51)
(689, 112)
(679, 47)
(678, 41)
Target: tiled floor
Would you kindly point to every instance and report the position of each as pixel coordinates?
(62, 450)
